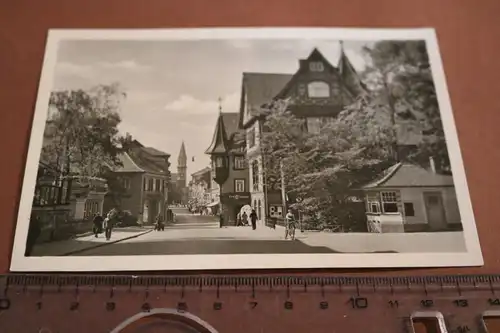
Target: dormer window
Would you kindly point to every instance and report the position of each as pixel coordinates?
(318, 89)
(316, 66)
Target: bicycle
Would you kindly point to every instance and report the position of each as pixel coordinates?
(290, 230)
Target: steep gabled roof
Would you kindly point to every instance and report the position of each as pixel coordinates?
(155, 152)
(409, 175)
(226, 126)
(350, 76)
(315, 55)
(128, 164)
(259, 89)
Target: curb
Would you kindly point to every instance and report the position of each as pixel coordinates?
(104, 244)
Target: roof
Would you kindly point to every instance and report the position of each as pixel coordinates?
(201, 172)
(226, 126)
(409, 175)
(128, 164)
(139, 160)
(261, 88)
(154, 151)
(349, 75)
(182, 159)
(230, 122)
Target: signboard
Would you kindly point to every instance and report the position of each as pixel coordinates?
(240, 197)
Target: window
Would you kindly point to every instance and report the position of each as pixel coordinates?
(239, 185)
(150, 184)
(409, 209)
(318, 89)
(373, 207)
(126, 183)
(145, 184)
(255, 175)
(389, 202)
(251, 137)
(316, 66)
(240, 162)
(158, 185)
(219, 162)
(91, 208)
(314, 125)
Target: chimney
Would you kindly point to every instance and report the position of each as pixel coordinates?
(432, 164)
(302, 63)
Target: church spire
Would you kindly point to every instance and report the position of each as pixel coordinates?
(182, 159)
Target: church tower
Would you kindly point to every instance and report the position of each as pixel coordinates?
(182, 167)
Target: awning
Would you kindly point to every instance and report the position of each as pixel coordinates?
(212, 204)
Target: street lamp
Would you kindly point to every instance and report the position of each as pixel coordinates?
(220, 165)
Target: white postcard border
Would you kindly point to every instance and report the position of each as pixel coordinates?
(473, 256)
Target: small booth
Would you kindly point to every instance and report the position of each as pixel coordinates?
(409, 198)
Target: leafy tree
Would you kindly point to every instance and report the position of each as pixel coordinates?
(81, 136)
(323, 169)
(196, 195)
(401, 78)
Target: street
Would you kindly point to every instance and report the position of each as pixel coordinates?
(195, 234)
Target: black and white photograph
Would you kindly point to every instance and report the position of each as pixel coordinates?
(243, 149)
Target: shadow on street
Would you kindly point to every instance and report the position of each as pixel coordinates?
(209, 246)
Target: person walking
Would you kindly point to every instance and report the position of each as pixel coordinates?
(108, 223)
(98, 220)
(244, 218)
(253, 218)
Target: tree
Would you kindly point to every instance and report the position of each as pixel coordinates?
(400, 76)
(324, 169)
(196, 195)
(81, 136)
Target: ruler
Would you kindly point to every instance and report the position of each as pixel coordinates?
(234, 303)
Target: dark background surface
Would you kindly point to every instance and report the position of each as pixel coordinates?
(468, 32)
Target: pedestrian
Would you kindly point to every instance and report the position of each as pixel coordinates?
(97, 229)
(244, 218)
(159, 223)
(253, 218)
(34, 231)
(108, 226)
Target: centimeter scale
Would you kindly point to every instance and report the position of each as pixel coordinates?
(98, 303)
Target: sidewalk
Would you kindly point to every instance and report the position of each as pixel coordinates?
(418, 242)
(85, 242)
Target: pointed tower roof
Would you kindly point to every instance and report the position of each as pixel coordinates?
(220, 139)
(349, 74)
(182, 159)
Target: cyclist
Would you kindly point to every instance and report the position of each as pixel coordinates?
(290, 225)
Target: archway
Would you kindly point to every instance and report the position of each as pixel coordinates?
(169, 320)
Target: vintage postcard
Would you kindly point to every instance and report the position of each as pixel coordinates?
(243, 148)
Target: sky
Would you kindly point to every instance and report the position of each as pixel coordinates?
(173, 87)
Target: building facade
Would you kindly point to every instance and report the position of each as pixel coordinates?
(409, 198)
(229, 167)
(144, 177)
(317, 92)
